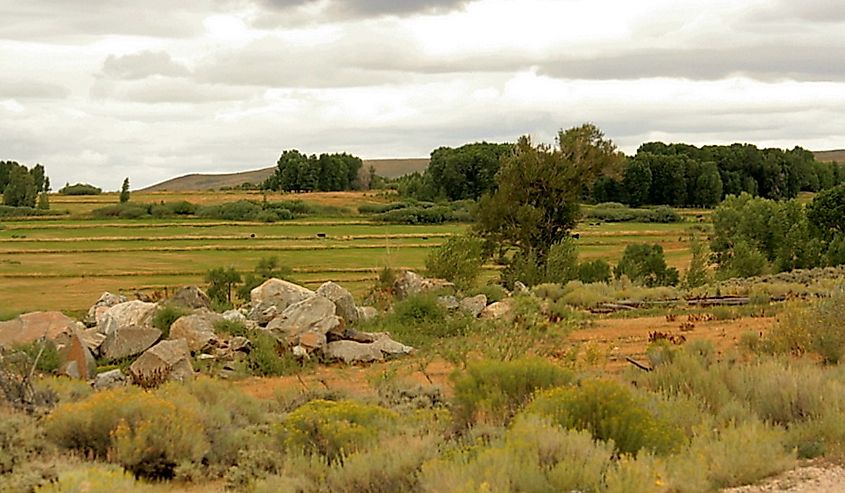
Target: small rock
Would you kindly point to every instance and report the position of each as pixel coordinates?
(410, 283)
(234, 316)
(353, 352)
(391, 348)
(366, 313)
(520, 288)
(343, 300)
(449, 303)
(190, 297)
(240, 344)
(110, 379)
(474, 305)
(496, 310)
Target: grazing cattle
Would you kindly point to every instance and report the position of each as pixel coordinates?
(321, 235)
(576, 236)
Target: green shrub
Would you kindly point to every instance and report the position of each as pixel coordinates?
(21, 440)
(548, 291)
(65, 389)
(494, 292)
(97, 478)
(267, 357)
(744, 260)
(46, 352)
(609, 411)
(419, 215)
(165, 316)
(494, 391)
(380, 208)
(334, 429)
(144, 433)
(80, 189)
(534, 456)
(818, 326)
(232, 328)
(594, 271)
(560, 265)
(458, 260)
(645, 264)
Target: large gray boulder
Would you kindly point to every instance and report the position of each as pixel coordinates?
(391, 348)
(411, 283)
(110, 379)
(29, 327)
(272, 298)
(351, 352)
(129, 314)
(167, 360)
(307, 323)
(448, 302)
(101, 306)
(196, 329)
(474, 305)
(343, 300)
(366, 313)
(190, 297)
(128, 341)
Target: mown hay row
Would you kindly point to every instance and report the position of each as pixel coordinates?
(243, 236)
(190, 224)
(226, 248)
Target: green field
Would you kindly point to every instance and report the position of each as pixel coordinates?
(66, 263)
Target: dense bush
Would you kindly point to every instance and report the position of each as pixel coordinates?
(815, 327)
(594, 271)
(493, 292)
(382, 208)
(645, 264)
(80, 189)
(458, 260)
(612, 212)
(267, 357)
(46, 353)
(333, 429)
(165, 316)
(145, 433)
(417, 215)
(11, 211)
(560, 265)
(609, 411)
(494, 391)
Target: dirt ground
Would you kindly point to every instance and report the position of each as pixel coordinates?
(814, 478)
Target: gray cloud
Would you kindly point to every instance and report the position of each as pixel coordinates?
(816, 63)
(28, 89)
(373, 8)
(824, 11)
(143, 64)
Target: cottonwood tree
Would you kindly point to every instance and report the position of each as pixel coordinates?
(124, 191)
(538, 188)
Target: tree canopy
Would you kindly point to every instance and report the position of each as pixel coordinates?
(538, 188)
(20, 185)
(297, 172)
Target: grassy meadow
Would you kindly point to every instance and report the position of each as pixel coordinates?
(65, 262)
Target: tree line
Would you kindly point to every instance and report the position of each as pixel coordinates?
(298, 172)
(678, 175)
(683, 175)
(22, 186)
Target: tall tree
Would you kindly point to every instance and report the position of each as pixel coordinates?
(124, 191)
(535, 204)
(20, 190)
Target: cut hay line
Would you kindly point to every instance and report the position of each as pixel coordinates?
(313, 237)
(220, 248)
(295, 270)
(191, 224)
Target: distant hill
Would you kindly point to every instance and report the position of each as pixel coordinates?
(828, 156)
(388, 168)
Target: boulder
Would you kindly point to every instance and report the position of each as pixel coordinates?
(101, 306)
(342, 299)
(129, 314)
(520, 288)
(273, 297)
(353, 352)
(410, 283)
(495, 310)
(474, 305)
(167, 360)
(234, 316)
(29, 327)
(307, 323)
(196, 329)
(391, 348)
(110, 379)
(366, 313)
(449, 303)
(76, 360)
(128, 341)
(93, 339)
(190, 297)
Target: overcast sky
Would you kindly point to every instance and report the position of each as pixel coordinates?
(97, 90)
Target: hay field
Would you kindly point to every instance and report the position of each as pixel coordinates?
(65, 263)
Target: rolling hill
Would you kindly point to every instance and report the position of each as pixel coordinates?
(828, 156)
(389, 168)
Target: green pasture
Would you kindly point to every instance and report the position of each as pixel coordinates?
(66, 263)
